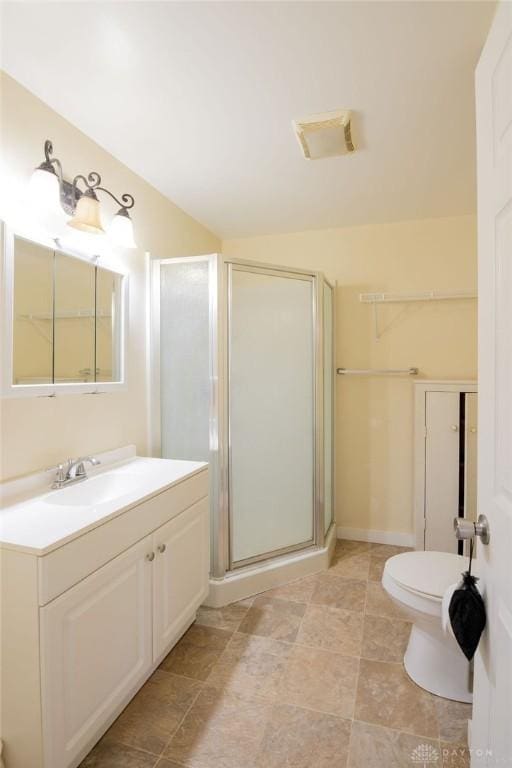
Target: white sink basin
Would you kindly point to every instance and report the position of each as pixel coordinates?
(94, 490)
(35, 520)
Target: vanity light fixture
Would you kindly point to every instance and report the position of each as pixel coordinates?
(51, 192)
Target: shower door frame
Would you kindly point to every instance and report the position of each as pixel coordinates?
(293, 274)
(333, 286)
(219, 267)
(318, 532)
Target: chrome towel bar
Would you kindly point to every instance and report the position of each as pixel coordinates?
(377, 371)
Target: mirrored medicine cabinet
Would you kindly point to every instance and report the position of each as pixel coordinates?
(64, 320)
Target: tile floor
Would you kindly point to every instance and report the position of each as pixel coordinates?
(308, 675)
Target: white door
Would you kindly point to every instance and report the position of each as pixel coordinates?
(181, 569)
(492, 712)
(442, 417)
(95, 651)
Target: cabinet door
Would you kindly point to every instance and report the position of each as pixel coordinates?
(181, 574)
(442, 470)
(95, 652)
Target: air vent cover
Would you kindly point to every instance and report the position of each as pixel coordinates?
(325, 135)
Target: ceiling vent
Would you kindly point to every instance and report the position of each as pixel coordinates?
(325, 135)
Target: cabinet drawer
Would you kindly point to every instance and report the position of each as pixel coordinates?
(75, 560)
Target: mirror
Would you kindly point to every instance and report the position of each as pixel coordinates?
(67, 315)
(108, 325)
(32, 322)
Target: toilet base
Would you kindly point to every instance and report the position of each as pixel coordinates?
(437, 664)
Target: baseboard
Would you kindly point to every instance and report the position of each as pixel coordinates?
(399, 538)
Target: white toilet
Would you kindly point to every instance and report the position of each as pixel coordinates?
(416, 582)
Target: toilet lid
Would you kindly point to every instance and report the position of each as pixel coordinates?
(430, 573)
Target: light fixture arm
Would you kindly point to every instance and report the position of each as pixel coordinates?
(127, 201)
(92, 184)
(50, 161)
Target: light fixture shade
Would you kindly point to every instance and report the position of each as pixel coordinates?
(44, 200)
(121, 230)
(87, 215)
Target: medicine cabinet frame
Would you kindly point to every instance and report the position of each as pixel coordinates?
(12, 390)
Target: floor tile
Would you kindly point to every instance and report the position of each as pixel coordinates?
(386, 696)
(379, 603)
(455, 755)
(376, 568)
(453, 719)
(273, 617)
(300, 738)
(153, 715)
(197, 652)
(164, 763)
(352, 566)
(221, 729)
(299, 591)
(109, 755)
(320, 680)
(384, 551)
(332, 629)
(338, 592)
(348, 545)
(372, 746)
(385, 639)
(229, 617)
(251, 667)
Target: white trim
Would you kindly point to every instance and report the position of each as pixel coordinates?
(421, 387)
(399, 538)
(10, 390)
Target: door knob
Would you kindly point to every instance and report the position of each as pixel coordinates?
(454, 427)
(161, 548)
(468, 529)
(150, 556)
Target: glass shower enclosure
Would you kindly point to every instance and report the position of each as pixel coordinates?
(243, 378)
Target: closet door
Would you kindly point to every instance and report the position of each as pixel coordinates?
(470, 465)
(441, 470)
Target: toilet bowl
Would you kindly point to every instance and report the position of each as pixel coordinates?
(416, 582)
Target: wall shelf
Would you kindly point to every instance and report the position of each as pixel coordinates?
(404, 298)
(397, 298)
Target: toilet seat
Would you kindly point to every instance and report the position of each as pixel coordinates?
(426, 573)
(420, 579)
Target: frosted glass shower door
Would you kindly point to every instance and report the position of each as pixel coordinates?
(184, 359)
(271, 412)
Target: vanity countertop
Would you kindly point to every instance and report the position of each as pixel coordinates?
(50, 518)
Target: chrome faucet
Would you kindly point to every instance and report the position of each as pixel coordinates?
(73, 471)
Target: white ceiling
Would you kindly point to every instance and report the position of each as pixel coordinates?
(198, 98)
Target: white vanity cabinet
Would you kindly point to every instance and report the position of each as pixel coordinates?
(92, 619)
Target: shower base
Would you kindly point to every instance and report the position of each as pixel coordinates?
(252, 579)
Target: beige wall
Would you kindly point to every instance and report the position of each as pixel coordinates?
(374, 430)
(36, 432)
